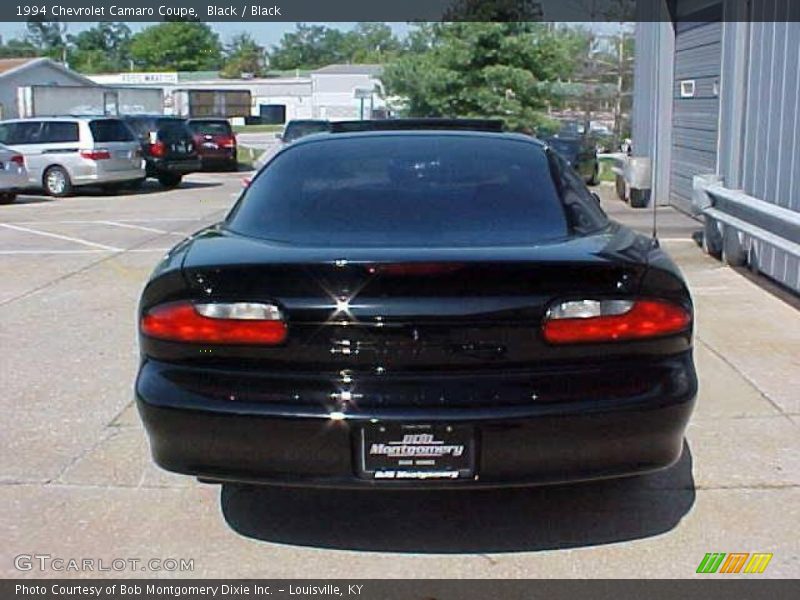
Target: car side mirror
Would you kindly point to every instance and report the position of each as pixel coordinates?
(595, 197)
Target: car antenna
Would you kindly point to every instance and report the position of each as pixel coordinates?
(655, 220)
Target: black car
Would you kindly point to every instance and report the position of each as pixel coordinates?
(168, 147)
(581, 153)
(416, 309)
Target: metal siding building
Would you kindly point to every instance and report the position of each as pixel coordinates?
(717, 114)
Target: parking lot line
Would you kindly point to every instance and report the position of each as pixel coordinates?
(139, 227)
(61, 237)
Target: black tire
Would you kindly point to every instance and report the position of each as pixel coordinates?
(639, 198)
(169, 180)
(56, 182)
(7, 197)
(233, 166)
(619, 184)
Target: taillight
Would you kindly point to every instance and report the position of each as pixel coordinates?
(228, 142)
(157, 149)
(18, 159)
(588, 321)
(216, 323)
(95, 154)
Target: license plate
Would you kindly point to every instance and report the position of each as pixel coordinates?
(122, 154)
(417, 452)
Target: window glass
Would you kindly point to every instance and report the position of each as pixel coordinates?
(59, 132)
(400, 189)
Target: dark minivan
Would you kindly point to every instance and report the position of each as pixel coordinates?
(168, 147)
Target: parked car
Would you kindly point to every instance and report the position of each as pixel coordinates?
(293, 131)
(299, 128)
(13, 174)
(168, 147)
(63, 153)
(215, 142)
(416, 308)
(581, 154)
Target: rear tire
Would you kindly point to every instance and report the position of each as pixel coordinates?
(56, 182)
(7, 198)
(169, 180)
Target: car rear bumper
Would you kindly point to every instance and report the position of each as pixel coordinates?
(515, 445)
(177, 166)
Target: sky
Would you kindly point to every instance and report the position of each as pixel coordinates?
(266, 33)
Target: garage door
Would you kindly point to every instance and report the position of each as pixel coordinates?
(695, 113)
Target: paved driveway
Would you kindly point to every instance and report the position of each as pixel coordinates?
(76, 480)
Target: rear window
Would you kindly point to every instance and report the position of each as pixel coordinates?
(110, 130)
(396, 190)
(170, 129)
(210, 127)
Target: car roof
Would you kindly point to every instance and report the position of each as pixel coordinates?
(64, 119)
(323, 137)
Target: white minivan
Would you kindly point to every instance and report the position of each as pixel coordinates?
(62, 153)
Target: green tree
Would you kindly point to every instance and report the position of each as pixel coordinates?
(49, 37)
(499, 70)
(307, 47)
(371, 43)
(177, 46)
(104, 48)
(313, 46)
(244, 55)
(15, 48)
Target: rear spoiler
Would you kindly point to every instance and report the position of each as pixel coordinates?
(490, 125)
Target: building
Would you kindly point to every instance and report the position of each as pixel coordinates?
(716, 115)
(333, 92)
(16, 73)
(342, 92)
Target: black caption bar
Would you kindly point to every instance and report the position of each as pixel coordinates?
(399, 10)
(279, 589)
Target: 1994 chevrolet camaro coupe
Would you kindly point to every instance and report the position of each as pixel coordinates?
(419, 308)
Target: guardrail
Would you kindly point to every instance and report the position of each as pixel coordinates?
(737, 226)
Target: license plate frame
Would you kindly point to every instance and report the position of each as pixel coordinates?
(416, 452)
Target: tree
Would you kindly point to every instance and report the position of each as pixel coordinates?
(307, 47)
(177, 46)
(15, 48)
(101, 49)
(244, 55)
(313, 46)
(49, 36)
(371, 43)
(499, 70)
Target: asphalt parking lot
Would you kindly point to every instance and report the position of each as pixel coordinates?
(76, 480)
